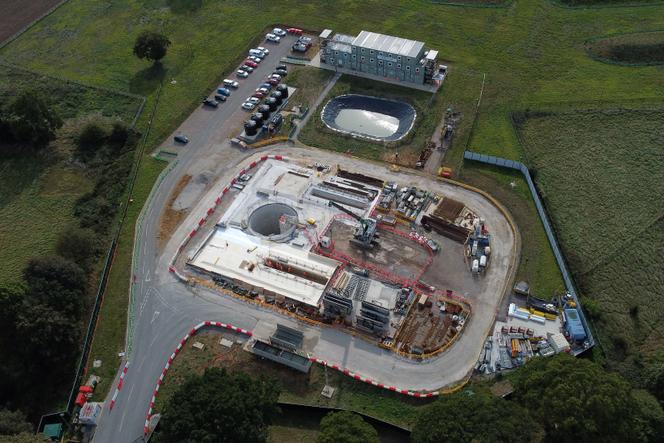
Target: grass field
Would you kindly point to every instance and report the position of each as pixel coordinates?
(297, 388)
(641, 48)
(600, 175)
(531, 51)
(38, 192)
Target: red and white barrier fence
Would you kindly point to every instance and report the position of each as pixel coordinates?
(118, 388)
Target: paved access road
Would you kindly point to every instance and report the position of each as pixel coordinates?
(166, 309)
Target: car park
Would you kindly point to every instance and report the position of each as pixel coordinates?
(264, 50)
(272, 38)
(281, 72)
(224, 91)
(248, 106)
(231, 83)
(219, 97)
(278, 31)
(181, 138)
(212, 103)
(246, 68)
(250, 62)
(242, 73)
(294, 31)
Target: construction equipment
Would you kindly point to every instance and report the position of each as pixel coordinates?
(365, 235)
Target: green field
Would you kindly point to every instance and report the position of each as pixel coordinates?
(532, 53)
(600, 175)
(38, 191)
(640, 48)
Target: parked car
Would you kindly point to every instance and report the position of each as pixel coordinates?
(255, 59)
(277, 76)
(263, 90)
(224, 91)
(258, 94)
(278, 31)
(250, 62)
(181, 138)
(264, 50)
(219, 97)
(294, 31)
(282, 66)
(274, 81)
(266, 86)
(248, 106)
(242, 73)
(299, 47)
(257, 52)
(231, 83)
(305, 41)
(253, 100)
(246, 68)
(272, 38)
(281, 72)
(212, 103)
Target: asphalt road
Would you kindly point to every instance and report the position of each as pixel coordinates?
(166, 309)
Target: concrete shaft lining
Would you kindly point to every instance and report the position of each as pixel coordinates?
(265, 221)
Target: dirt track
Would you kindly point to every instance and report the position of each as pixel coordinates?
(16, 14)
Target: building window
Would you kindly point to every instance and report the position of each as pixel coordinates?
(362, 58)
(354, 56)
(336, 52)
(389, 63)
(399, 58)
(380, 62)
(407, 68)
(371, 60)
(417, 69)
(362, 50)
(398, 65)
(371, 52)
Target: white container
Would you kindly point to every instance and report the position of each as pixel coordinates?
(483, 261)
(487, 250)
(476, 266)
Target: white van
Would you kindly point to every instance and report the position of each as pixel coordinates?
(231, 83)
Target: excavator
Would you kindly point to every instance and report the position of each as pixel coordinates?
(365, 235)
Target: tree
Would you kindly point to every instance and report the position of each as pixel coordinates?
(648, 421)
(474, 415)
(654, 380)
(13, 422)
(92, 135)
(25, 437)
(219, 407)
(49, 339)
(346, 427)
(57, 283)
(151, 45)
(119, 133)
(31, 121)
(576, 400)
(78, 245)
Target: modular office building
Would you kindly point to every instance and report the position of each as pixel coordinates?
(386, 56)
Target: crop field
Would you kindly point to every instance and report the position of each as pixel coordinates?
(38, 192)
(600, 175)
(17, 14)
(641, 48)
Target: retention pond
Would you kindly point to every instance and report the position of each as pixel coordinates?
(369, 117)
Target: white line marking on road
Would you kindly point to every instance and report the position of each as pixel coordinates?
(154, 316)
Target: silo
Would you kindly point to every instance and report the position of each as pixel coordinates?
(250, 127)
(272, 103)
(283, 89)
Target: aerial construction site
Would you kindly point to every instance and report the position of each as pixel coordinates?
(389, 261)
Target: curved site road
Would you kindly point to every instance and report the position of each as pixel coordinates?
(166, 309)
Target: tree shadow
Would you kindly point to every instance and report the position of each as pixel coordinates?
(145, 81)
(19, 170)
(184, 6)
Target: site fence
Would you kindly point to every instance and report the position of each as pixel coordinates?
(560, 259)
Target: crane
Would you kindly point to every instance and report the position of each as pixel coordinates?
(365, 235)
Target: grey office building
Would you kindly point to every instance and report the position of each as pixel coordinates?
(386, 56)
